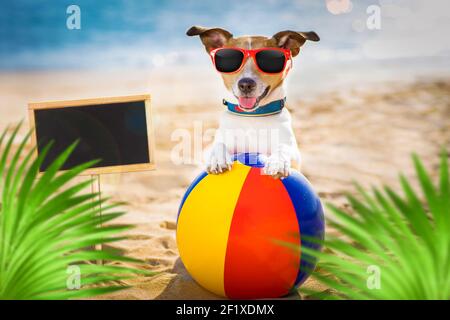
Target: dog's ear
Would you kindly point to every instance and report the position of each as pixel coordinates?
(212, 38)
(293, 40)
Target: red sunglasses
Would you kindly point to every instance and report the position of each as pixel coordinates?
(267, 60)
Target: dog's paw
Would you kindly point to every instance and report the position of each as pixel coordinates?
(219, 160)
(277, 166)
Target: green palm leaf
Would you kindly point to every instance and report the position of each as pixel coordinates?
(47, 226)
(392, 246)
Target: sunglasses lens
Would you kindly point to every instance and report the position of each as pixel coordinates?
(271, 61)
(228, 60)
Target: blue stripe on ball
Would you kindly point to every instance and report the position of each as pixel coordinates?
(309, 216)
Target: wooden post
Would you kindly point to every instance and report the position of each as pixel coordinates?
(95, 188)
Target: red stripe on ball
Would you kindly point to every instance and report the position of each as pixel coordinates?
(256, 266)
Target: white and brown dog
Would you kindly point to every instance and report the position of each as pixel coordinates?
(258, 122)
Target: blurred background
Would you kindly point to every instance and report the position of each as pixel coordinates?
(372, 91)
(148, 38)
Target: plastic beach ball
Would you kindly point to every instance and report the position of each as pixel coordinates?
(231, 227)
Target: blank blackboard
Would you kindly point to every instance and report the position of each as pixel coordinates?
(117, 131)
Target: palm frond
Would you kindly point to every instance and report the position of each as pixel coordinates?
(405, 238)
(47, 225)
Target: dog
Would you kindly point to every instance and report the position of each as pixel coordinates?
(258, 122)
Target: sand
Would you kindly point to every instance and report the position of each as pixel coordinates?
(363, 133)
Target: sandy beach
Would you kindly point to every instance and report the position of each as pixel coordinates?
(361, 133)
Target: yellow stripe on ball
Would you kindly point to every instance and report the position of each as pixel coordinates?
(204, 224)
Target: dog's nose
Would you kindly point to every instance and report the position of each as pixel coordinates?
(246, 85)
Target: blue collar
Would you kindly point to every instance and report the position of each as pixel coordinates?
(266, 110)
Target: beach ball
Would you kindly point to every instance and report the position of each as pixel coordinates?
(231, 228)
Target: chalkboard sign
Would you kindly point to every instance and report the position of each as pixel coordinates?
(117, 131)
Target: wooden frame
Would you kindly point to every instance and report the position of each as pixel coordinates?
(100, 101)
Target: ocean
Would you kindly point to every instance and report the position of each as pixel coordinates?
(150, 34)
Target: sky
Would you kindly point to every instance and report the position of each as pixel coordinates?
(151, 34)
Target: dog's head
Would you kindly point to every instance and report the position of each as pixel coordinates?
(249, 85)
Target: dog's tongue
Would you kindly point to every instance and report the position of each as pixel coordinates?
(247, 103)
